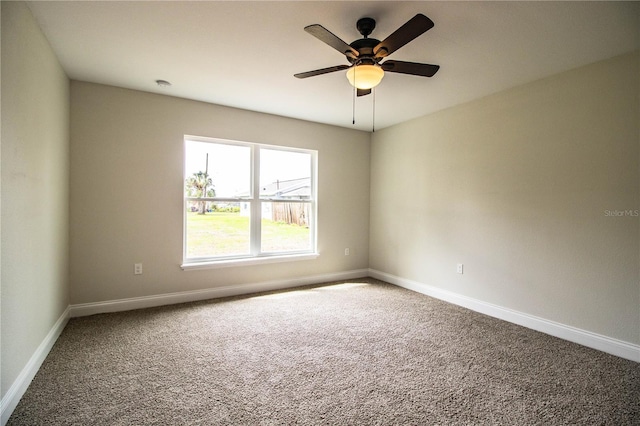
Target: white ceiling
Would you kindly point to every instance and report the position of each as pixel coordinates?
(244, 54)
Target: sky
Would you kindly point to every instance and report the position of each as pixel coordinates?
(230, 165)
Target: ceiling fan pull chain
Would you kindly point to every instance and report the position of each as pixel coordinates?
(373, 119)
(354, 100)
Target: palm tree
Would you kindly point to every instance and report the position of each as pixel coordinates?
(200, 185)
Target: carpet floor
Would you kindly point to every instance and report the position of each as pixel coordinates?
(354, 353)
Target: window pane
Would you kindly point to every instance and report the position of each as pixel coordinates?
(285, 227)
(228, 168)
(223, 230)
(285, 175)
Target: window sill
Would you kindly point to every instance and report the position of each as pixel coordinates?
(214, 264)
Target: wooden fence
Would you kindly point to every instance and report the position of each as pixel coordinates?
(297, 213)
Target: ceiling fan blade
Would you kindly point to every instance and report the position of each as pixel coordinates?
(413, 68)
(324, 35)
(403, 35)
(363, 92)
(321, 71)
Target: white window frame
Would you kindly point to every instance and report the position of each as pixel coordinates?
(255, 255)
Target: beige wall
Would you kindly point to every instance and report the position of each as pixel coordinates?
(35, 163)
(516, 187)
(127, 182)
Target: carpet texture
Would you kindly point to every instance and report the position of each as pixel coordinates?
(362, 352)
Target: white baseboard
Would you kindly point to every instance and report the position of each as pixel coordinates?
(20, 385)
(586, 338)
(84, 309)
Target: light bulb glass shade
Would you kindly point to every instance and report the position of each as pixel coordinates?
(365, 76)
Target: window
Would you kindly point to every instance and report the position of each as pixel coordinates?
(247, 201)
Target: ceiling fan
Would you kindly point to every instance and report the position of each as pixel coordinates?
(365, 55)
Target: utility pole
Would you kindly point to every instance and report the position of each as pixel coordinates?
(204, 187)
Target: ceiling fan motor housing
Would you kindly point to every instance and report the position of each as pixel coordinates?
(364, 46)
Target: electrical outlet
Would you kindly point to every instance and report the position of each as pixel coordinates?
(137, 269)
(347, 252)
(459, 268)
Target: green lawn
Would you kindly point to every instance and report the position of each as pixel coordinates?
(217, 234)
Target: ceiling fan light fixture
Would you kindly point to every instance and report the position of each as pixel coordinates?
(365, 76)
